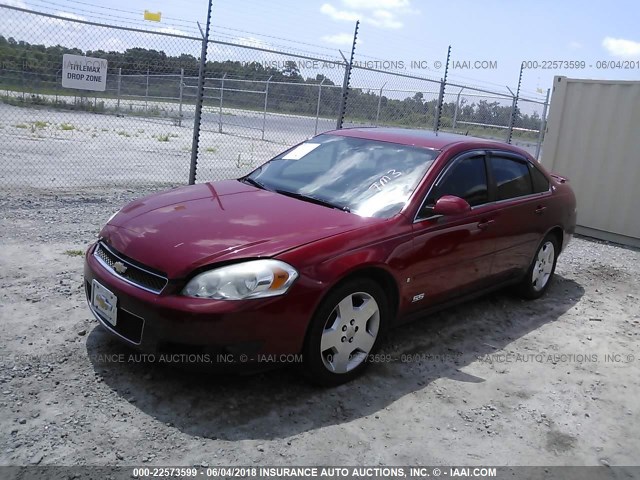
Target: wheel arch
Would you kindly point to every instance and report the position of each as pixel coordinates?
(558, 233)
(373, 272)
(383, 278)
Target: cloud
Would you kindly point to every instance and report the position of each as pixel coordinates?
(340, 39)
(377, 4)
(71, 16)
(251, 42)
(379, 13)
(619, 47)
(15, 3)
(112, 44)
(383, 19)
(172, 31)
(64, 31)
(339, 15)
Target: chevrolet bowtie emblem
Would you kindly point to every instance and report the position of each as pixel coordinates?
(120, 267)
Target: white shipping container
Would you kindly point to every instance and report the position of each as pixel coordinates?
(593, 138)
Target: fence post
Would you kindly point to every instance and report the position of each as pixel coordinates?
(443, 82)
(514, 106)
(199, 100)
(436, 117)
(318, 106)
(146, 94)
(455, 112)
(264, 112)
(379, 103)
(543, 125)
(22, 75)
(347, 77)
(511, 115)
(118, 93)
(181, 91)
(57, 86)
(220, 108)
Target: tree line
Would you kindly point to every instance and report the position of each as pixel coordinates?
(37, 69)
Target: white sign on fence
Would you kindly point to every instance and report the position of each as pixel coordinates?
(84, 73)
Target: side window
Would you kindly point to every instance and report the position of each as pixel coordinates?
(540, 182)
(466, 179)
(512, 178)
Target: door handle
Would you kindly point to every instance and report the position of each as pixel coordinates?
(540, 209)
(484, 224)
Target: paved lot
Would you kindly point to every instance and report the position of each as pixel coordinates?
(60, 149)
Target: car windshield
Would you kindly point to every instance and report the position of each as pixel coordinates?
(366, 177)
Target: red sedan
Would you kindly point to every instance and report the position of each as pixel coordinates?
(316, 253)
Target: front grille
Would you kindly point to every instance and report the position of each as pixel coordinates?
(134, 273)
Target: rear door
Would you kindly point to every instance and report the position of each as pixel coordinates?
(522, 199)
(452, 255)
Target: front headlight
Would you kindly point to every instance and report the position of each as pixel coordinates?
(252, 279)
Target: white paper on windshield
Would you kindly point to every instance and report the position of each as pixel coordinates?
(300, 151)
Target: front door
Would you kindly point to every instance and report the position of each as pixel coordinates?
(452, 255)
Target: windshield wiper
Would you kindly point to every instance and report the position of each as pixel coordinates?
(253, 182)
(311, 199)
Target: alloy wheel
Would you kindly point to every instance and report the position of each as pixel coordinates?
(350, 332)
(543, 267)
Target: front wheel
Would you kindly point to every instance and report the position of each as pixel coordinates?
(347, 327)
(541, 271)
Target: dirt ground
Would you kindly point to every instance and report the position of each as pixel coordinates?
(497, 381)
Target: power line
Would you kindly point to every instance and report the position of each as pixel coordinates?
(101, 16)
(125, 11)
(184, 25)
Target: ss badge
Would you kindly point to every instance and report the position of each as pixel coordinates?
(417, 298)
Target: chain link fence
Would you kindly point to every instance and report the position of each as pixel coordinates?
(139, 128)
(388, 98)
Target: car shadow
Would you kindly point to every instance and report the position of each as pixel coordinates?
(278, 403)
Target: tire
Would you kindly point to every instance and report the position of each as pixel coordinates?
(347, 327)
(540, 273)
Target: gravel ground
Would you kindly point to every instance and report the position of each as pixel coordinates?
(497, 381)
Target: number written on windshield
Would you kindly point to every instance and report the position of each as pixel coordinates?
(383, 180)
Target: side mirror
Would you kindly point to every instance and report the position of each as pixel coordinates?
(451, 205)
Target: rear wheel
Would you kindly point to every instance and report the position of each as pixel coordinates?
(347, 327)
(542, 269)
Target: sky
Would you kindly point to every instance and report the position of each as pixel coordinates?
(489, 40)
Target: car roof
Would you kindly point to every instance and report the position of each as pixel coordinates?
(421, 138)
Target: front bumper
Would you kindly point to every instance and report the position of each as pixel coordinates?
(253, 329)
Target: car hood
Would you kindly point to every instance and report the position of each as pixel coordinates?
(181, 230)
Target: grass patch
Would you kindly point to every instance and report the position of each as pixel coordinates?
(163, 138)
(67, 126)
(39, 124)
(211, 149)
(21, 125)
(74, 253)
(124, 134)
